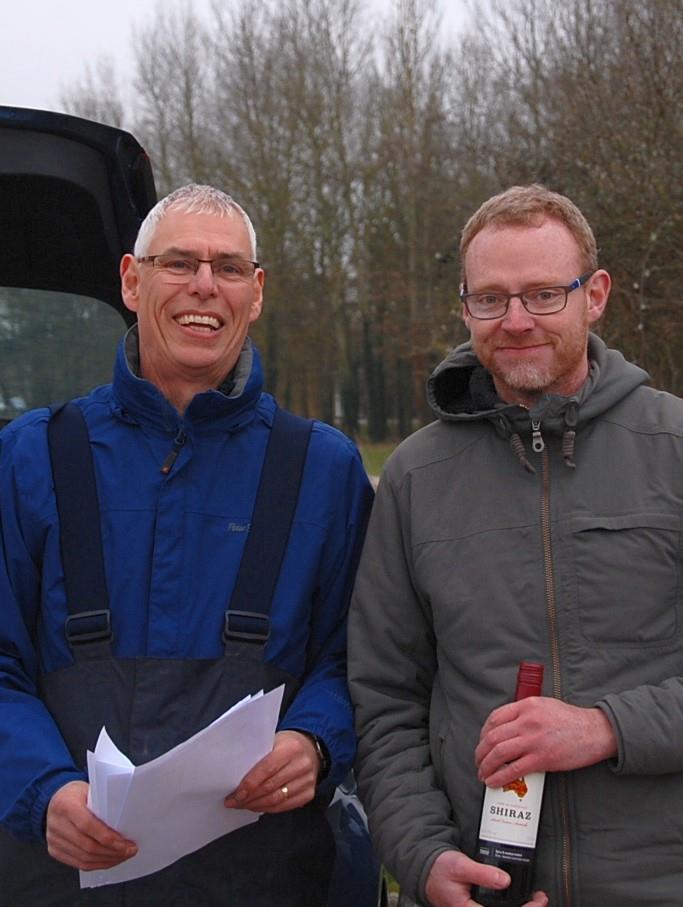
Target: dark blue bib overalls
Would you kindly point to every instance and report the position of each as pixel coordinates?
(148, 705)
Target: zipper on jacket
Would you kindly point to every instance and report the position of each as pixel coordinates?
(551, 607)
(537, 442)
(178, 442)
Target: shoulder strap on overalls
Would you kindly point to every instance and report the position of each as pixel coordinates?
(79, 526)
(247, 618)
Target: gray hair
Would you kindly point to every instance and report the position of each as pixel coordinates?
(192, 199)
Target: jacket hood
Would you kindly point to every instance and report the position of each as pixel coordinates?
(461, 389)
(225, 408)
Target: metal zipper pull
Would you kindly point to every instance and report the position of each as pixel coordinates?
(537, 442)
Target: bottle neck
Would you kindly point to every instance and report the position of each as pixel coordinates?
(529, 680)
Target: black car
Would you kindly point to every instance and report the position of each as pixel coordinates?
(72, 196)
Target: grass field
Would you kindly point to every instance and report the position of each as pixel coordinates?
(374, 455)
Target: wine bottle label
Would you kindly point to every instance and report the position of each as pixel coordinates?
(510, 814)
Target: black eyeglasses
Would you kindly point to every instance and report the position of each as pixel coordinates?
(539, 301)
(180, 268)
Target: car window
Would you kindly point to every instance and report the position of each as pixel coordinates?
(53, 346)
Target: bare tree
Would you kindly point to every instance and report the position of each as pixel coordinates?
(592, 105)
(408, 207)
(171, 85)
(360, 152)
(97, 96)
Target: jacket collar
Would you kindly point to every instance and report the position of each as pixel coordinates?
(460, 388)
(226, 408)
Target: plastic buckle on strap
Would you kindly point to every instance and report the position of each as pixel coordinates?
(88, 626)
(246, 625)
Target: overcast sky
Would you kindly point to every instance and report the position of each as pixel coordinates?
(45, 45)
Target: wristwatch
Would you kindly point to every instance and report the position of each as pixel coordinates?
(322, 754)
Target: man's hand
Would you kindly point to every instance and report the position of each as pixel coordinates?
(540, 734)
(453, 874)
(284, 779)
(77, 837)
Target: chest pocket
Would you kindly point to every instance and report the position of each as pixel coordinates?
(628, 577)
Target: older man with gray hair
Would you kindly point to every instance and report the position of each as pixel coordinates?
(230, 532)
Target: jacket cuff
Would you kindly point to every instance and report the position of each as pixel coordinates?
(617, 764)
(339, 744)
(38, 813)
(322, 752)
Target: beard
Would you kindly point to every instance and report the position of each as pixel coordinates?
(560, 370)
(527, 376)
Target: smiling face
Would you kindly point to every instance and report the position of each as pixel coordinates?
(526, 354)
(191, 333)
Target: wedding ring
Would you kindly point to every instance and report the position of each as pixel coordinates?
(285, 791)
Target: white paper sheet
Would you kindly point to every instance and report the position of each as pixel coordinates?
(174, 804)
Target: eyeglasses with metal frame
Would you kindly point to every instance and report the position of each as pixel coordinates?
(538, 301)
(181, 268)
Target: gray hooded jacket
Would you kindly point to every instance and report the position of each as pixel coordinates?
(500, 534)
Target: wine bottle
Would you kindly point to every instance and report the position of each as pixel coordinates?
(509, 820)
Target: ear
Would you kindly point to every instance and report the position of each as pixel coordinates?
(597, 294)
(130, 282)
(256, 306)
(463, 311)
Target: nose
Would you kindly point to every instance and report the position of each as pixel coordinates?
(517, 320)
(203, 281)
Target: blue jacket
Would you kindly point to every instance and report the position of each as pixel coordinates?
(172, 546)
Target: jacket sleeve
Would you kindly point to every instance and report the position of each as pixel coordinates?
(322, 705)
(34, 760)
(643, 720)
(392, 664)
